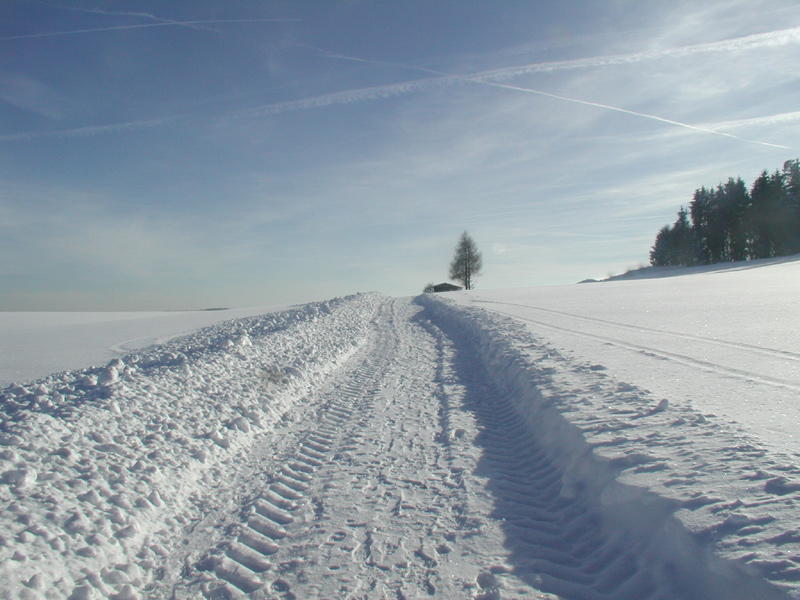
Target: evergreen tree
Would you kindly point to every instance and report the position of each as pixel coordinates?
(789, 211)
(733, 203)
(717, 227)
(467, 262)
(764, 219)
(701, 210)
(675, 245)
(662, 254)
(685, 246)
(734, 223)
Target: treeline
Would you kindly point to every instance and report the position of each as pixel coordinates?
(731, 222)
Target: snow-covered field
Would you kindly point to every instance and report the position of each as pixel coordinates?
(627, 440)
(35, 344)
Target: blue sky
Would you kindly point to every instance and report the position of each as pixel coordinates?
(173, 155)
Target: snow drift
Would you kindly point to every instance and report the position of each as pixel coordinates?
(101, 467)
(645, 522)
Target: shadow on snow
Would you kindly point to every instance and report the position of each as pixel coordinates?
(571, 528)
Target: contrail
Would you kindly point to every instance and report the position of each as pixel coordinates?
(777, 38)
(346, 97)
(90, 131)
(485, 78)
(108, 13)
(141, 26)
(634, 113)
(788, 117)
(781, 37)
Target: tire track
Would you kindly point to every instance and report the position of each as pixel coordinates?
(770, 352)
(413, 472)
(558, 540)
(372, 549)
(573, 529)
(271, 501)
(397, 513)
(276, 512)
(682, 359)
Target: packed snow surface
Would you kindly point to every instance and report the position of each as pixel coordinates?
(605, 441)
(723, 338)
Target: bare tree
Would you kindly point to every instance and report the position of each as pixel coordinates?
(467, 262)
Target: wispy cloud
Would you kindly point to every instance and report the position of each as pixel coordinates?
(494, 77)
(141, 26)
(109, 13)
(34, 96)
(491, 77)
(635, 114)
(92, 131)
(777, 38)
(346, 97)
(779, 119)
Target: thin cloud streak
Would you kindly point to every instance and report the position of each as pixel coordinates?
(108, 13)
(788, 117)
(634, 113)
(346, 97)
(90, 131)
(440, 79)
(486, 78)
(777, 38)
(782, 37)
(143, 25)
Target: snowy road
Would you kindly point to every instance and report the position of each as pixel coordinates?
(369, 494)
(379, 448)
(407, 475)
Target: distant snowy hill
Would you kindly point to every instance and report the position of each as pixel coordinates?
(650, 272)
(625, 440)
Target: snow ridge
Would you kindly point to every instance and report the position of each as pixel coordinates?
(369, 447)
(576, 487)
(102, 468)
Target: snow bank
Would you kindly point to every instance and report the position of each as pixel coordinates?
(102, 468)
(36, 344)
(615, 445)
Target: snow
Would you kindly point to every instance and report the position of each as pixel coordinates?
(721, 339)
(630, 439)
(35, 344)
